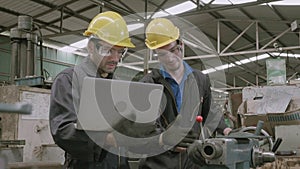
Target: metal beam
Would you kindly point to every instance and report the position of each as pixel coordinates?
(243, 52)
(158, 7)
(18, 14)
(240, 35)
(253, 20)
(66, 16)
(44, 13)
(229, 61)
(291, 77)
(9, 11)
(261, 27)
(55, 8)
(226, 54)
(218, 37)
(126, 6)
(234, 28)
(226, 7)
(117, 8)
(65, 33)
(222, 83)
(67, 10)
(280, 16)
(277, 37)
(243, 79)
(231, 26)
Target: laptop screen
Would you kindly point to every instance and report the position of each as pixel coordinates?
(103, 101)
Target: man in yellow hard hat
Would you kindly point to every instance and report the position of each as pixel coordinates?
(187, 94)
(108, 40)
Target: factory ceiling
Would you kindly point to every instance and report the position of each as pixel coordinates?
(229, 41)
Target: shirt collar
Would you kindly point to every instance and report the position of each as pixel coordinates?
(187, 70)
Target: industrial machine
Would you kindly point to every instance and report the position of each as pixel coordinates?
(24, 43)
(239, 150)
(25, 139)
(21, 108)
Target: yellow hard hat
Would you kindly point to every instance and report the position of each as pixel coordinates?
(160, 32)
(110, 27)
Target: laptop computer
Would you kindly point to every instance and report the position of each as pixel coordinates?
(104, 101)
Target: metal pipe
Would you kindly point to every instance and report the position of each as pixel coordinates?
(14, 61)
(22, 108)
(23, 59)
(40, 43)
(262, 132)
(29, 56)
(41, 56)
(240, 35)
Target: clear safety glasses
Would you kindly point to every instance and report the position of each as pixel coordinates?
(162, 52)
(109, 51)
(105, 49)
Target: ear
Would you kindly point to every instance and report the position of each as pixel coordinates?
(181, 47)
(180, 43)
(90, 46)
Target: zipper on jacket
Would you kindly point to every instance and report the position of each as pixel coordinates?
(165, 83)
(180, 165)
(119, 158)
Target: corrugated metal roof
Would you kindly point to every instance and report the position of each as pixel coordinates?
(272, 21)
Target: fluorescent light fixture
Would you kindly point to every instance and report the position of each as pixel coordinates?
(285, 2)
(177, 9)
(159, 14)
(253, 59)
(244, 61)
(222, 67)
(206, 1)
(231, 65)
(226, 66)
(181, 8)
(286, 55)
(174, 10)
(283, 54)
(210, 70)
(135, 26)
(230, 2)
(219, 2)
(241, 1)
(241, 62)
(238, 63)
(263, 56)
